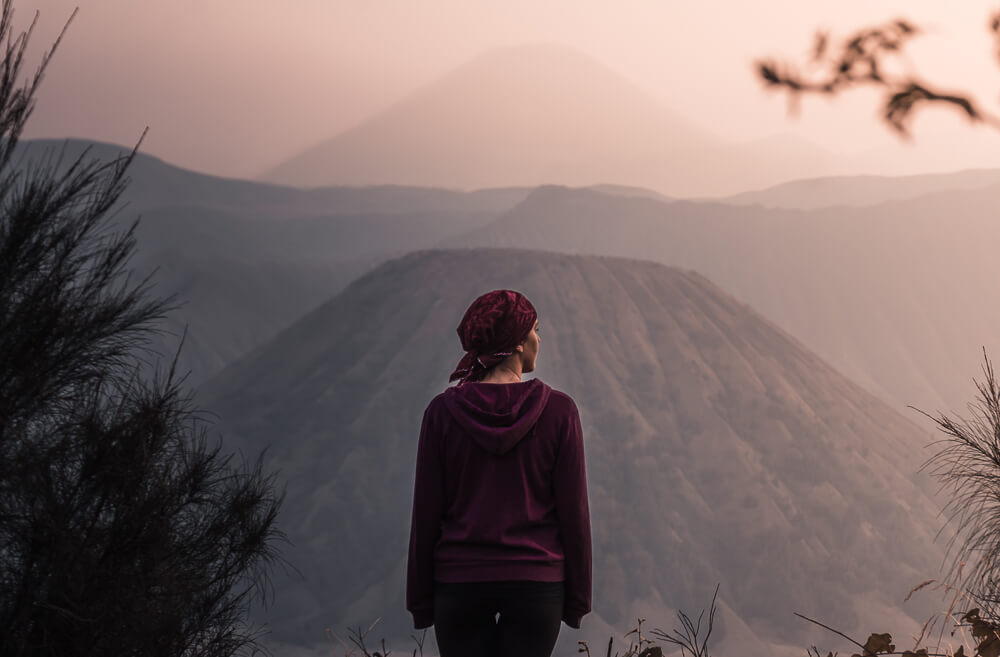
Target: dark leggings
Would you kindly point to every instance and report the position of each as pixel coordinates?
(465, 622)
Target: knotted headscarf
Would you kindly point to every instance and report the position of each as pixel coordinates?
(492, 327)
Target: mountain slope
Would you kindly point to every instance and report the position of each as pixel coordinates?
(893, 295)
(156, 184)
(246, 259)
(814, 193)
(718, 450)
(528, 115)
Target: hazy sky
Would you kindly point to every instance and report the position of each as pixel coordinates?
(235, 86)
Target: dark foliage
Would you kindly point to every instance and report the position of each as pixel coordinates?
(967, 463)
(862, 60)
(690, 639)
(968, 466)
(123, 529)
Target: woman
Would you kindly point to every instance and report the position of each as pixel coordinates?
(500, 532)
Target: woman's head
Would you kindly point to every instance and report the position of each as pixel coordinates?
(497, 326)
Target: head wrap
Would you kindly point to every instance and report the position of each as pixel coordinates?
(492, 327)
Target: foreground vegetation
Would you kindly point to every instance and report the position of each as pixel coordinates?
(123, 529)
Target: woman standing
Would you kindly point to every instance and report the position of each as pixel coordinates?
(500, 534)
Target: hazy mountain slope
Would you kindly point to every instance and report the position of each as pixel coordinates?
(156, 184)
(630, 192)
(204, 233)
(861, 190)
(246, 259)
(718, 449)
(896, 296)
(540, 114)
(241, 280)
(228, 307)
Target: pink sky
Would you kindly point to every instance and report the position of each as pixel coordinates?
(234, 87)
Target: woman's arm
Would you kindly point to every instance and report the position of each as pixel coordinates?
(425, 523)
(573, 510)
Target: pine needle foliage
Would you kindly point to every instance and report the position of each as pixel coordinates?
(968, 467)
(124, 530)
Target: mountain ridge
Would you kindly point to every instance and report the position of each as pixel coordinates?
(247, 258)
(861, 190)
(891, 294)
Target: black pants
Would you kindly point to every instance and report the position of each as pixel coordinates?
(466, 624)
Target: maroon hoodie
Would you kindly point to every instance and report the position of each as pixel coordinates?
(500, 494)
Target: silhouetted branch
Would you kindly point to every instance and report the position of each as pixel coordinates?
(827, 627)
(860, 61)
(877, 644)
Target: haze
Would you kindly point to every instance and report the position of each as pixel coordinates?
(747, 365)
(235, 88)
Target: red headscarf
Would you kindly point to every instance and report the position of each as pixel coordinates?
(493, 326)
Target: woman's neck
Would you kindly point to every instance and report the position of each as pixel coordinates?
(502, 374)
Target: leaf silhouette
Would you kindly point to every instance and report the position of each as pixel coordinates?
(877, 643)
(990, 647)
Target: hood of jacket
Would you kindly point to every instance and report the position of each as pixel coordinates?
(497, 415)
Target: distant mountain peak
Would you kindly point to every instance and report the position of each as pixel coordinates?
(534, 55)
(540, 113)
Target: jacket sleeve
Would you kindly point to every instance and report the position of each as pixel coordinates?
(573, 511)
(425, 523)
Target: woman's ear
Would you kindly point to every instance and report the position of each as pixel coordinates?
(519, 348)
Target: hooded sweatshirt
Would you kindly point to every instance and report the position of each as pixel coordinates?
(500, 494)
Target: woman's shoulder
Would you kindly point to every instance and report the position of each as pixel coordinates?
(561, 402)
(439, 400)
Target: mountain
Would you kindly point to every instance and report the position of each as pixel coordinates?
(719, 450)
(246, 259)
(630, 192)
(892, 295)
(814, 193)
(528, 115)
(156, 184)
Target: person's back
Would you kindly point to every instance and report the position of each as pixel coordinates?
(500, 521)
